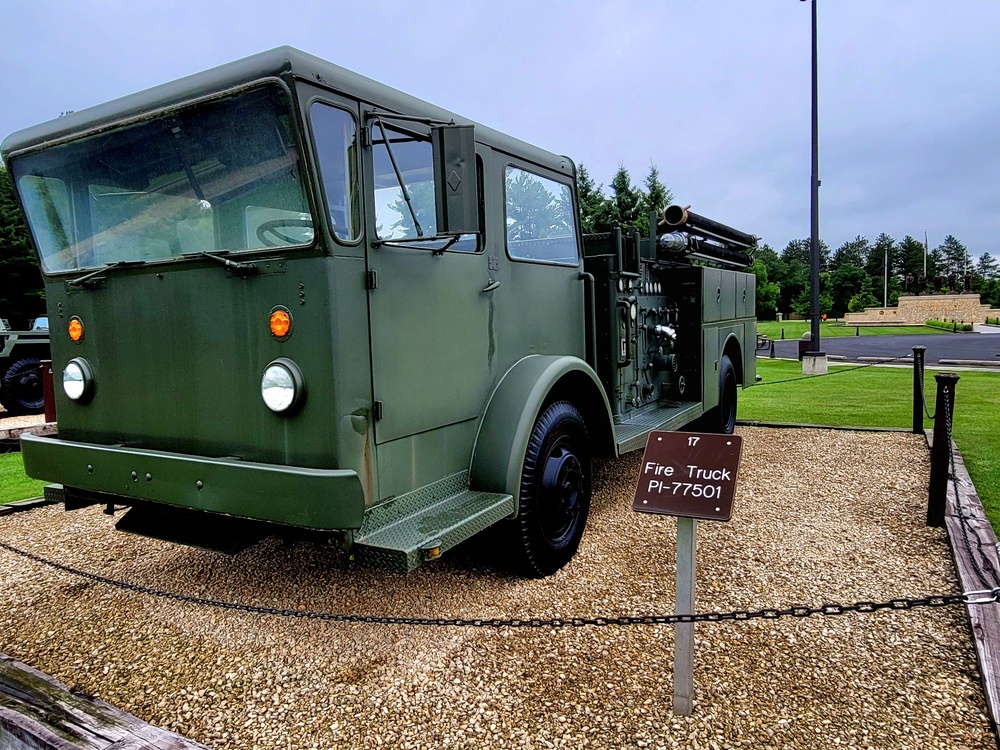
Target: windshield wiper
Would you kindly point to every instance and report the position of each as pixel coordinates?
(244, 269)
(95, 275)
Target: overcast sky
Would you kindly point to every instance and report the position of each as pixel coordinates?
(716, 93)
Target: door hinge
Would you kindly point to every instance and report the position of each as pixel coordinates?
(371, 280)
(377, 410)
(366, 137)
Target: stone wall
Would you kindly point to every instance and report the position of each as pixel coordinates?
(914, 310)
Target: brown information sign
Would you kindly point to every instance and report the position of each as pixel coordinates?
(689, 474)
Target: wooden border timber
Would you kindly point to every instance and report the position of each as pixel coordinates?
(984, 620)
(42, 428)
(39, 713)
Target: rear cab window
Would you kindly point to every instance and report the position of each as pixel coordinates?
(539, 219)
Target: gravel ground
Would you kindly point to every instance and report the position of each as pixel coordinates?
(893, 679)
(10, 423)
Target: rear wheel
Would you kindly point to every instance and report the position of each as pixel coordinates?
(723, 417)
(555, 491)
(21, 390)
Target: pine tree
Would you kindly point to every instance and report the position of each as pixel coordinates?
(21, 293)
(657, 196)
(987, 267)
(875, 264)
(594, 206)
(955, 257)
(626, 202)
(853, 253)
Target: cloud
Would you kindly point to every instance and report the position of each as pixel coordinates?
(716, 93)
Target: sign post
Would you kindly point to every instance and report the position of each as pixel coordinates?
(684, 631)
(691, 476)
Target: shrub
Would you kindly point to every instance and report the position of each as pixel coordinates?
(949, 325)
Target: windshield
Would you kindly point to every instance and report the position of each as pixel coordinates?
(218, 176)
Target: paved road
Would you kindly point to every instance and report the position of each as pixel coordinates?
(978, 346)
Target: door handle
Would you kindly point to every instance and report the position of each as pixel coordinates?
(491, 286)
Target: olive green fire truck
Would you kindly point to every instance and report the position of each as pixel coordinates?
(286, 299)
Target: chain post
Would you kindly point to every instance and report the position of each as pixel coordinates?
(918, 389)
(937, 492)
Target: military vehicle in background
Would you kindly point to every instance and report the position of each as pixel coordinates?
(21, 354)
(291, 300)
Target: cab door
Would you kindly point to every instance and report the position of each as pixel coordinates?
(429, 304)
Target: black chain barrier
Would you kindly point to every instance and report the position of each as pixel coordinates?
(985, 596)
(839, 371)
(923, 395)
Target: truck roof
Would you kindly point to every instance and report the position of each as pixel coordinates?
(283, 62)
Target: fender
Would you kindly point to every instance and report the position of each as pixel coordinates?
(739, 362)
(513, 407)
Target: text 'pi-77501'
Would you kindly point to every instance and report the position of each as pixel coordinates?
(689, 474)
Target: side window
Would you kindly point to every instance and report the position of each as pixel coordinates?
(394, 219)
(539, 219)
(336, 135)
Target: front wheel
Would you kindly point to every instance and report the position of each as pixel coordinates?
(555, 491)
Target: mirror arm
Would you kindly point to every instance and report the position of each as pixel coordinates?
(399, 176)
(376, 115)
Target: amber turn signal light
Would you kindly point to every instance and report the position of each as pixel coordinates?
(280, 323)
(75, 329)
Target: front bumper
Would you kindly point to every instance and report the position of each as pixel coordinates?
(322, 499)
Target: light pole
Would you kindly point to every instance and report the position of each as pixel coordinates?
(814, 209)
(885, 276)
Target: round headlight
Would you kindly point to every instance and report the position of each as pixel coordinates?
(78, 380)
(281, 385)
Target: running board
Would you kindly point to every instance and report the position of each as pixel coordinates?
(630, 433)
(405, 531)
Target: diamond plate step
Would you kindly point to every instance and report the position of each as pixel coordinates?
(630, 434)
(399, 532)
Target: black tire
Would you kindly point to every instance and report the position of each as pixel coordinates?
(21, 390)
(722, 418)
(555, 491)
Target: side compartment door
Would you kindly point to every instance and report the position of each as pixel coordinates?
(429, 307)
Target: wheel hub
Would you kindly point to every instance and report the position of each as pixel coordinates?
(562, 484)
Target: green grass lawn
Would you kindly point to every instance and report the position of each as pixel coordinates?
(883, 397)
(835, 328)
(14, 485)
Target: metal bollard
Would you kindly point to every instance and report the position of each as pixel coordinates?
(918, 389)
(782, 334)
(857, 330)
(937, 492)
(771, 355)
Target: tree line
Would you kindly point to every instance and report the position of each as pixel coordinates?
(858, 274)
(851, 277)
(861, 274)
